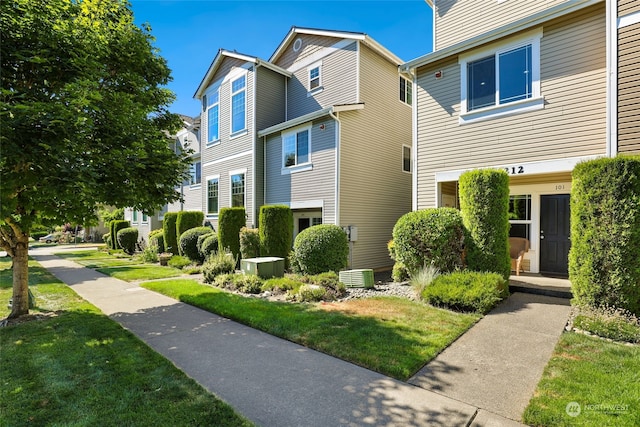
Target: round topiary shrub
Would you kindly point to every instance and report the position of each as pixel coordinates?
(189, 243)
(201, 240)
(320, 248)
(429, 237)
(127, 239)
(209, 246)
(156, 237)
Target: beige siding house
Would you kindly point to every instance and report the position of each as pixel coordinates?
(524, 90)
(324, 127)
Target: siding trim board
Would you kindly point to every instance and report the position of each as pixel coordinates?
(225, 159)
(630, 19)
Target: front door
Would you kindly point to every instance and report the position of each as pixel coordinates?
(303, 224)
(554, 234)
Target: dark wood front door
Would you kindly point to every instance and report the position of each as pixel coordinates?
(554, 234)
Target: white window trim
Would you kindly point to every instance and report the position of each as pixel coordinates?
(206, 206)
(244, 130)
(410, 158)
(536, 102)
(214, 89)
(231, 173)
(287, 170)
(142, 218)
(407, 81)
(320, 88)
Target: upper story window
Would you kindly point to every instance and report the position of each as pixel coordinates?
(195, 173)
(406, 91)
(501, 81)
(239, 104)
(296, 147)
(213, 117)
(315, 77)
(237, 189)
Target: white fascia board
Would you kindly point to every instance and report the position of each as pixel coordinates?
(382, 51)
(308, 118)
(504, 31)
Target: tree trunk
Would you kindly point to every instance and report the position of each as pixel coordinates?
(20, 303)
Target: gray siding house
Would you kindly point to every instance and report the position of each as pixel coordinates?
(323, 126)
(526, 88)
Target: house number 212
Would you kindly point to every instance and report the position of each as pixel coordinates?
(514, 170)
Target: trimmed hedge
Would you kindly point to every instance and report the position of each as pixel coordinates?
(604, 260)
(188, 243)
(157, 237)
(320, 249)
(187, 220)
(484, 204)
(169, 232)
(230, 221)
(249, 243)
(127, 239)
(117, 225)
(201, 240)
(467, 291)
(428, 237)
(209, 246)
(276, 230)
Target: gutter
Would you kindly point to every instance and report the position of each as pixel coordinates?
(328, 111)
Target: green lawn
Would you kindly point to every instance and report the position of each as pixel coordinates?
(98, 259)
(393, 336)
(602, 377)
(78, 367)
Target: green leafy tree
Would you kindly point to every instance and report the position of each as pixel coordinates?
(85, 120)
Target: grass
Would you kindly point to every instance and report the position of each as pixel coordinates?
(393, 336)
(134, 273)
(602, 377)
(75, 366)
(98, 259)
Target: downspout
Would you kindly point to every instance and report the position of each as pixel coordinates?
(335, 116)
(414, 139)
(255, 147)
(264, 169)
(612, 79)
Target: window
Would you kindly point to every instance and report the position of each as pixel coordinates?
(502, 80)
(213, 117)
(196, 173)
(212, 195)
(237, 190)
(520, 216)
(238, 104)
(406, 91)
(296, 147)
(315, 77)
(406, 158)
(145, 217)
(316, 221)
(134, 216)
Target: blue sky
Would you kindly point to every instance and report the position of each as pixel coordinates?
(190, 32)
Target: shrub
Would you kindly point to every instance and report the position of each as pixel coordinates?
(604, 266)
(219, 263)
(615, 324)
(178, 261)
(320, 248)
(150, 253)
(188, 243)
(276, 230)
(310, 293)
(467, 291)
(423, 277)
(117, 225)
(429, 237)
(201, 239)
(169, 232)
(106, 238)
(249, 243)
(399, 273)
(187, 220)
(156, 238)
(230, 221)
(209, 245)
(484, 204)
(330, 281)
(282, 284)
(126, 236)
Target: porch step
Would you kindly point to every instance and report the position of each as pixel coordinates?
(540, 285)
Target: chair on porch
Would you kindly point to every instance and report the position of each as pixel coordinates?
(518, 246)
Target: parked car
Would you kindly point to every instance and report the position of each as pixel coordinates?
(49, 238)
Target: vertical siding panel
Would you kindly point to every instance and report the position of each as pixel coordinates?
(374, 191)
(572, 124)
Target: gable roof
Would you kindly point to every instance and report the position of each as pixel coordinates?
(349, 35)
(221, 55)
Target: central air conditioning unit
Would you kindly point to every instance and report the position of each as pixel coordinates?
(362, 278)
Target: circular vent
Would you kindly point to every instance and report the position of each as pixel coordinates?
(297, 45)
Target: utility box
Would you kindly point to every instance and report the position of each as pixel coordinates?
(264, 267)
(362, 278)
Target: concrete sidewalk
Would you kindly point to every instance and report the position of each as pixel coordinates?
(275, 382)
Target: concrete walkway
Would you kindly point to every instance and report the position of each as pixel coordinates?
(274, 382)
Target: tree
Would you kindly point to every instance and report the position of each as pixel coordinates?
(85, 120)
